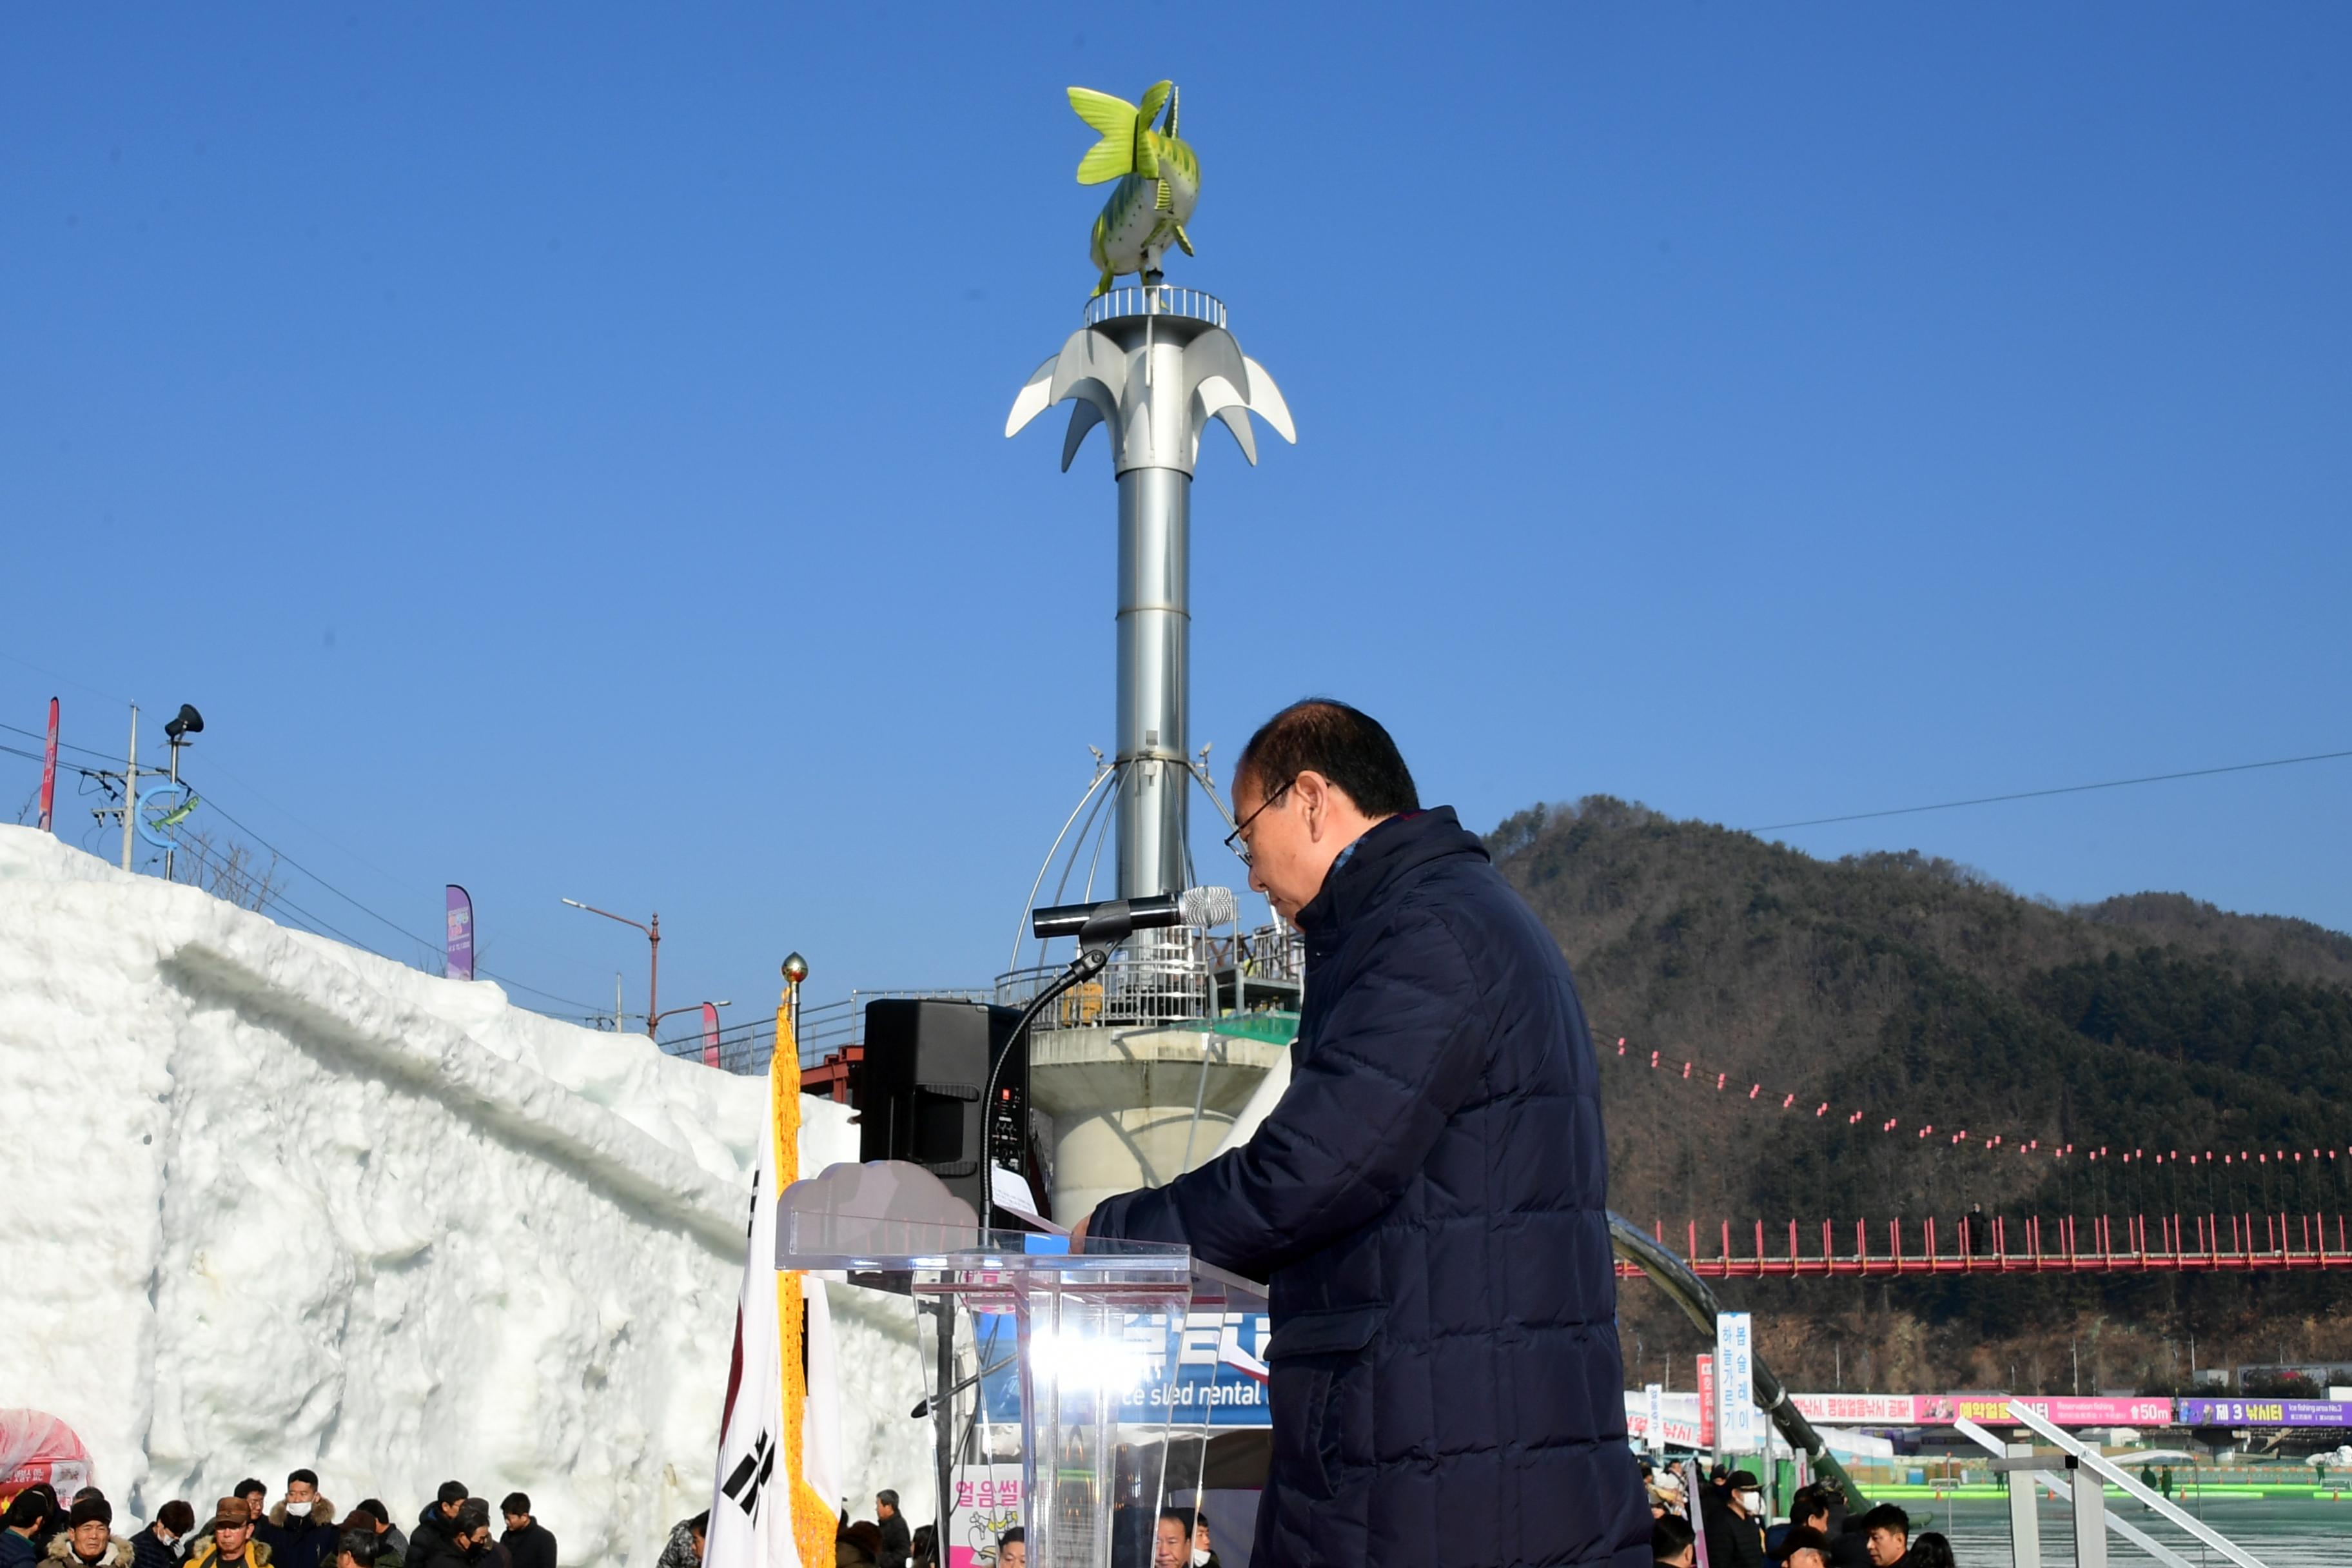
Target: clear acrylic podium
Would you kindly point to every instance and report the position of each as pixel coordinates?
(1124, 1358)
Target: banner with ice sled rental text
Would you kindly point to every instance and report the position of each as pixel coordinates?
(1193, 1369)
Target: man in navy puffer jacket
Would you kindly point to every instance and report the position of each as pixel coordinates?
(1428, 1200)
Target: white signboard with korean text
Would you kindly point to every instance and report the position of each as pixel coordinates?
(1740, 1425)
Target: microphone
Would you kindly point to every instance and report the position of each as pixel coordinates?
(1208, 907)
(1193, 907)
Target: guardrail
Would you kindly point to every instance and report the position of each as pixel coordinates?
(1155, 300)
(2238, 1243)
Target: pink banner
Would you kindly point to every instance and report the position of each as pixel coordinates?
(1992, 1410)
(49, 773)
(710, 1046)
(1985, 1409)
(1707, 1402)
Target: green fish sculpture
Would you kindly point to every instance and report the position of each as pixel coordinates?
(1159, 180)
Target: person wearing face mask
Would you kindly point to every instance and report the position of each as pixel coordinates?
(469, 1542)
(157, 1545)
(1735, 1526)
(88, 1539)
(301, 1531)
(430, 1539)
(1204, 1555)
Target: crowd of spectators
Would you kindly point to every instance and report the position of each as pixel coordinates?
(245, 1530)
(1731, 1519)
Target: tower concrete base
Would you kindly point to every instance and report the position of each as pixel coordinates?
(1122, 1100)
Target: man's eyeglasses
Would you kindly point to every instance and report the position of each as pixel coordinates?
(1235, 842)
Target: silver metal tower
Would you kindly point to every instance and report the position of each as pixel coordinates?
(1155, 364)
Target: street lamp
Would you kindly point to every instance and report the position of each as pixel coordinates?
(690, 1007)
(653, 940)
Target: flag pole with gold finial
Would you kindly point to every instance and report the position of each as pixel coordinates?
(813, 1524)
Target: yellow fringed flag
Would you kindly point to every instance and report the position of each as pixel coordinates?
(780, 1435)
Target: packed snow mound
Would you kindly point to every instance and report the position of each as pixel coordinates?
(279, 1202)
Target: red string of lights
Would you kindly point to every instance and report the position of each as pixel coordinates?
(1998, 1142)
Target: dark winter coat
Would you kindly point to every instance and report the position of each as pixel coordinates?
(149, 1550)
(433, 1537)
(679, 1551)
(1429, 1203)
(897, 1542)
(17, 1551)
(532, 1546)
(307, 1540)
(1732, 1541)
(446, 1553)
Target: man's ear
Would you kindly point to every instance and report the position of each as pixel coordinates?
(1311, 793)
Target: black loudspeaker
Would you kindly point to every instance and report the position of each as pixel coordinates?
(927, 1066)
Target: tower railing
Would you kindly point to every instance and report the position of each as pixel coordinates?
(1155, 300)
(1170, 977)
(1156, 978)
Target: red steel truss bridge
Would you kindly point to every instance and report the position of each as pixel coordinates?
(1987, 1244)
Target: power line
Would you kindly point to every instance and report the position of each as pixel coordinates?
(2039, 794)
(316, 924)
(388, 923)
(69, 680)
(63, 745)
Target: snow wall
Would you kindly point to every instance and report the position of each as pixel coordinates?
(274, 1202)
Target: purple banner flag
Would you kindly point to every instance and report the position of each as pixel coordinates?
(460, 963)
(2265, 1412)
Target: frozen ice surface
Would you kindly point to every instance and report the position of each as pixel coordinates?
(274, 1201)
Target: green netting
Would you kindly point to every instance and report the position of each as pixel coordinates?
(1275, 1028)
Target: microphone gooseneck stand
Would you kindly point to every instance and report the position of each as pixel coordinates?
(1109, 925)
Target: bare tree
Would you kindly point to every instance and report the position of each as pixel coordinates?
(227, 869)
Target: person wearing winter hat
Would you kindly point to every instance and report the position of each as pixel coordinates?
(157, 1546)
(88, 1539)
(301, 1531)
(231, 1543)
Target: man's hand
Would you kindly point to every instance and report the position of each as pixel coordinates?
(1078, 1234)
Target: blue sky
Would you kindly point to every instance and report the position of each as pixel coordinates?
(560, 449)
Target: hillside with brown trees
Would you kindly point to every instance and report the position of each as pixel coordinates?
(1914, 990)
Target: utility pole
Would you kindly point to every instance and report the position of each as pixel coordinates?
(131, 788)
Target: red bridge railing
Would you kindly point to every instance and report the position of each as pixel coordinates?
(1992, 1244)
